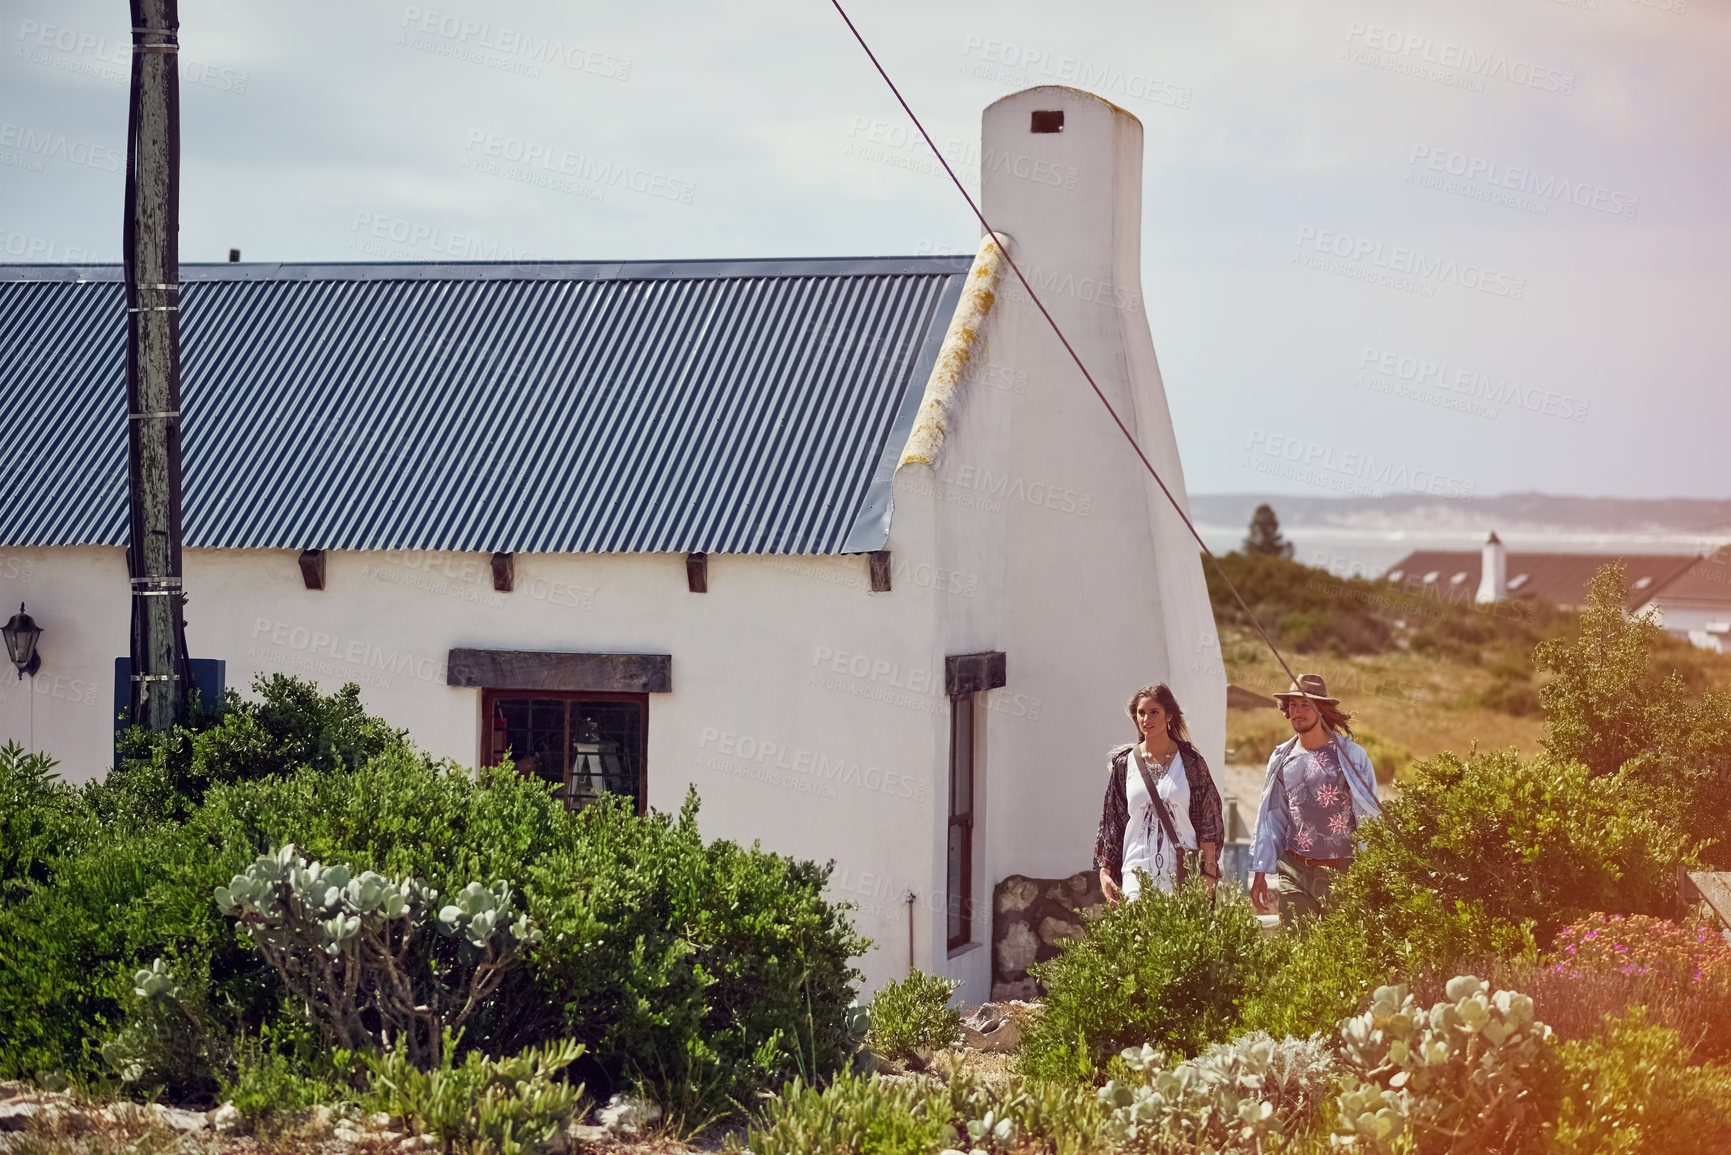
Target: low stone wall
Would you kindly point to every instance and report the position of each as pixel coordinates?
(1030, 916)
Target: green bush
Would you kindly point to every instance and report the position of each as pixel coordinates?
(1611, 709)
(853, 1115)
(683, 961)
(1325, 973)
(290, 726)
(913, 1014)
(481, 1105)
(40, 818)
(1492, 853)
(274, 1075)
(674, 961)
(1632, 1089)
(1171, 970)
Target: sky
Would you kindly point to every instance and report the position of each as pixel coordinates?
(1490, 239)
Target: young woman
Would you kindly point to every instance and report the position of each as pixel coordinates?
(1176, 829)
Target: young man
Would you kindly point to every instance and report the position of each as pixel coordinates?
(1320, 786)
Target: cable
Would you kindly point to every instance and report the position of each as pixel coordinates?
(1074, 356)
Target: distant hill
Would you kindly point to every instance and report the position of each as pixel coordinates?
(1526, 513)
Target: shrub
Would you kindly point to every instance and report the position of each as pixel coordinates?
(164, 1045)
(678, 961)
(1459, 1078)
(499, 1106)
(1610, 964)
(282, 1071)
(681, 960)
(40, 817)
(854, 1114)
(290, 726)
(914, 1014)
(1632, 1090)
(1492, 853)
(1172, 970)
(1610, 709)
(358, 950)
(1325, 973)
(1233, 1096)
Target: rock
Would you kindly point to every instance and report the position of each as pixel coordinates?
(177, 1119)
(11, 1090)
(1018, 950)
(622, 1116)
(320, 1119)
(14, 1116)
(1016, 893)
(991, 1028)
(347, 1134)
(1055, 929)
(226, 1119)
(584, 1133)
(382, 1121)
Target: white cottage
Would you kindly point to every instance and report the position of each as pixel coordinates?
(847, 545)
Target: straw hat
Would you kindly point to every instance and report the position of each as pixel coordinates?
(1311, 687)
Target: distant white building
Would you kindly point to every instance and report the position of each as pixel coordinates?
(845, 544)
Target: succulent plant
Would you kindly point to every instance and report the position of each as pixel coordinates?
(1457, 1067)
(155, 983)
(1236, 1093)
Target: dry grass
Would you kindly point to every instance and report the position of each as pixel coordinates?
(1411, 700)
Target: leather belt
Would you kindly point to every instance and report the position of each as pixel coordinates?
(1330, 863)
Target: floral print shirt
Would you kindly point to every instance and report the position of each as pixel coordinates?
(1318, 805)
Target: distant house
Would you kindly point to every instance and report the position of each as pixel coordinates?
(1692, 594)
(846, 545)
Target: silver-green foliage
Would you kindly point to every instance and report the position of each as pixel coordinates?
(1234, 1096)
(1457, 1077)
(482, 1105)
(163, 1044)
(344, 943)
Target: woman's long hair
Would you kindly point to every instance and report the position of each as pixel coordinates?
(1161, 693)
(1332, 716)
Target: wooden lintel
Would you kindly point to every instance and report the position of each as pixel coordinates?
(504, 572)
(974, 673)
(697, 572)
(568, 672)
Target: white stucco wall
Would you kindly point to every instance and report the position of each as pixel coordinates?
(808, 711)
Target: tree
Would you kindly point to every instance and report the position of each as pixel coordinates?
(1264, 534)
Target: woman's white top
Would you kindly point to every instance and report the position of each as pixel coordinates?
(1145, 844)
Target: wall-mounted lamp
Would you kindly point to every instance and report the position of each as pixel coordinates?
(21, 634)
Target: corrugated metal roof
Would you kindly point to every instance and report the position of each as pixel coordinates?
(621, 407)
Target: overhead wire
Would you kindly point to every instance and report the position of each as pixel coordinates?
(1076, 357)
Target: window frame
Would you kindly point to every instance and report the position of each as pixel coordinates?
(959, 907)
(491, 694)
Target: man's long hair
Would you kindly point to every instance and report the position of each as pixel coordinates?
(1161, 693)
(1332, 716)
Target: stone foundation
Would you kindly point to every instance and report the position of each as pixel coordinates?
(1030, 916)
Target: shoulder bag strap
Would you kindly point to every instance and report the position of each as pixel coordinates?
(1159, 804)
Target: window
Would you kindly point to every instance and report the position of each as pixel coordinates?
(959, 883)
(585, 744)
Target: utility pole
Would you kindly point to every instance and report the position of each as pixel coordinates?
(160, 674)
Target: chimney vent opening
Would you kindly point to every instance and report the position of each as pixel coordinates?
(233, 255)
(1047, 121)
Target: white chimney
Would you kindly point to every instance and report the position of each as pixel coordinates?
(1493, 571)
